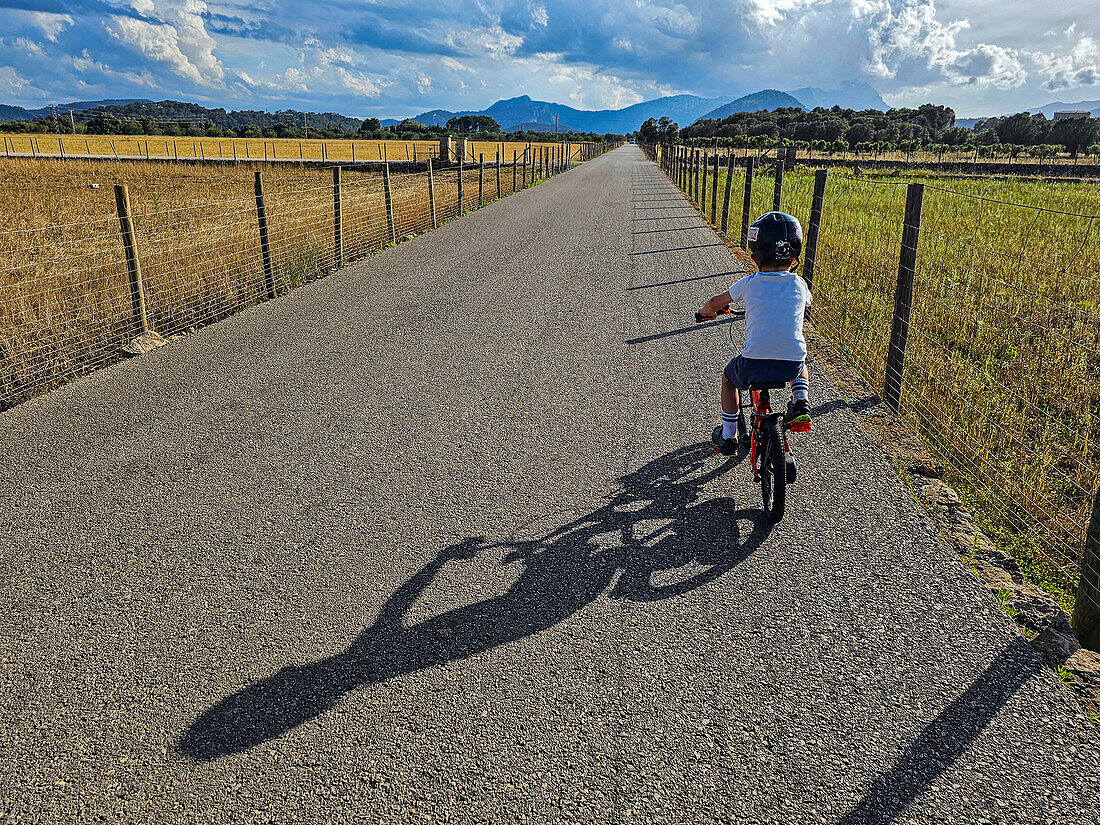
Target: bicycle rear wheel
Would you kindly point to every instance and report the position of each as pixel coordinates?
(773, 472)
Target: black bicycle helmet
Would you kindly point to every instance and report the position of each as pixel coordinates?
(775, 238)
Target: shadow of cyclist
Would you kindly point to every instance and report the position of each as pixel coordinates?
(651, 527)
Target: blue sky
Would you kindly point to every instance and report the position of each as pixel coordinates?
(399, 57)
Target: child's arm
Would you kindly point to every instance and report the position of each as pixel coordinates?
(710, 309)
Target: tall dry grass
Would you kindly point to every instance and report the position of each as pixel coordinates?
(65, 305)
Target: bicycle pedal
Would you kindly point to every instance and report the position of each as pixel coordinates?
(801, 426)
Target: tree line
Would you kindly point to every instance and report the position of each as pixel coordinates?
(371, 128)
(926, 128)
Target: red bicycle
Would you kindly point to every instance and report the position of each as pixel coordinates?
(773, 464)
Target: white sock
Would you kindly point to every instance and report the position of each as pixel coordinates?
(800, 389)
(729, 425)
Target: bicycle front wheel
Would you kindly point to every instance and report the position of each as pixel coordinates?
(773, 472)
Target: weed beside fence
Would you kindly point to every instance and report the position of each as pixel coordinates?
(71, 298)
(1000, 352)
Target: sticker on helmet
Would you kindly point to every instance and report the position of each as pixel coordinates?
(754, 231)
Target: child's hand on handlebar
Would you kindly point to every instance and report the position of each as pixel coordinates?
(718, 305)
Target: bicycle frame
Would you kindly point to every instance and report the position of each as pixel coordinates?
(761, 411)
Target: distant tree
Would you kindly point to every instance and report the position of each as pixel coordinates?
(1022, 128)
(370, 125)
(472, 123)
(1075, 133)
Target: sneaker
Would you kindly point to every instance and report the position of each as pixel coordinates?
(723, 446)
(798, 416)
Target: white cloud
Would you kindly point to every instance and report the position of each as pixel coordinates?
(1079, 66)
(50, 24)
(174, 33)
(11, 81)
(540, 17)
(157, 41)
(86, 64)
(30, 47)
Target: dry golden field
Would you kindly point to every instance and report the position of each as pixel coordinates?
(250, 148)
(1002, 370)
(65, 304)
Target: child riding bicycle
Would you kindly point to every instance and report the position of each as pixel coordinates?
(775, 349)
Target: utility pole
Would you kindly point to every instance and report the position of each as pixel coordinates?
(54, 117)
(305, 129)
(555, 124)
(72, 122)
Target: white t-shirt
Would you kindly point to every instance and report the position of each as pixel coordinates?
(774, 306)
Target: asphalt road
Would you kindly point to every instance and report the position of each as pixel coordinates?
(441, 538)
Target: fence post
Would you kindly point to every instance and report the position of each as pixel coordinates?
(903, 296)
(1086, 608)
(777, 196)
(729, 191)
(337, 219)
(817, 206)
(461, 193)
(515, 168)
(746, 209)
(133, 266)
(714, 192)
(431, 194)
(498, 175)
(265, 245)
(481, 180)
(391, 228)
(704, 162)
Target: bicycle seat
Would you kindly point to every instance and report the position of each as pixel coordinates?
(767, 385)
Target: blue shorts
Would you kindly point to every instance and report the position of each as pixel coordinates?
(742, 371)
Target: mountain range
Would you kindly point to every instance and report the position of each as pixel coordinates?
(684, 109)
(1090, 106)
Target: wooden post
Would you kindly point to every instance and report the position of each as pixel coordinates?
(234, 151)
(498, 174)
(515, 166)
(133, 266)
(699, 169)
(525, 166)
(704, 162)
(431, 195)
(338, 223)
(903, 296)
(777, 196)
(714, 192)
(1086, 608)
(480, 180)
(406, 151)
(61, 148)
(817, 207)
(460, 192)
(265, 246)
(391, 227)
(202, 150)
(353, 151)
(729, 191)
(746, 208)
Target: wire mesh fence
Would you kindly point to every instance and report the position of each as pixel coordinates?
(68, 301)
(149, 147)
(1000, 365)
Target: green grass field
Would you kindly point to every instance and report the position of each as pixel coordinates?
(1002, 373)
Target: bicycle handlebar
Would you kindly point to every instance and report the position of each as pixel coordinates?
(724, 311)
